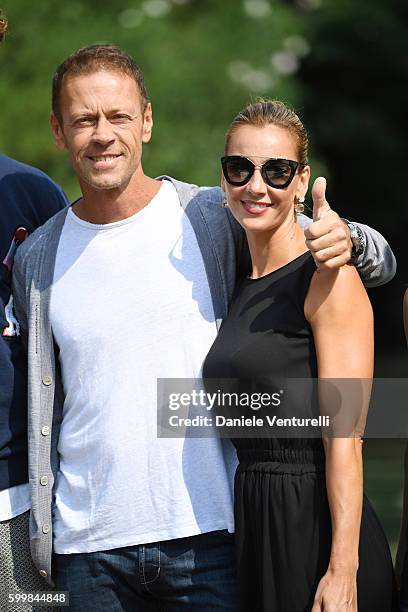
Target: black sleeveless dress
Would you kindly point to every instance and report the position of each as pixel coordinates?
(283, 524)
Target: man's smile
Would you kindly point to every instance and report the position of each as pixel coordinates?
(104, 161)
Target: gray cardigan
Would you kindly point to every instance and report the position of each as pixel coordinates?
(225, 255)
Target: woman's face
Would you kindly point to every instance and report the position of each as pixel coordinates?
(260, 144)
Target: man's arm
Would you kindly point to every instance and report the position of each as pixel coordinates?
(376, 264)
(328, 238)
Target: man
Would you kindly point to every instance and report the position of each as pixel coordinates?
(27, 199)
(142, 271)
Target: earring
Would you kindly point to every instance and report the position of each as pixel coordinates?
(299, 205)
(224, 202)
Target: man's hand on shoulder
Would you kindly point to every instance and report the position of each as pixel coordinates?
(328, 237)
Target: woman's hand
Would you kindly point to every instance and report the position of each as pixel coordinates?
(336, 592)
(328, 237)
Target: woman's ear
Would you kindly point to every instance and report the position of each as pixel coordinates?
(304, 178)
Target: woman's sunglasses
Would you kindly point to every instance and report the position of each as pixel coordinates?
(277, 173)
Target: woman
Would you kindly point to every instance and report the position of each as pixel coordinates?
(298, 501)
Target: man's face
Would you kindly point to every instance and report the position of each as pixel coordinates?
(103, 127)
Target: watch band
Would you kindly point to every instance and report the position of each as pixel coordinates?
(357, 237)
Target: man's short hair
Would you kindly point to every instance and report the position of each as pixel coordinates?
(92, 59)
(3, 26)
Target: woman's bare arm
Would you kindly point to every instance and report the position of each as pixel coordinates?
(339, 312)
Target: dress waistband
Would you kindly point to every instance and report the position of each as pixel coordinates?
(304, 456)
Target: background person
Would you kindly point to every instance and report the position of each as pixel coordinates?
(27, 199)
(306, 537)
(401, 563)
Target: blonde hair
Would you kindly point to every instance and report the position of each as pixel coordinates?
(265, 112)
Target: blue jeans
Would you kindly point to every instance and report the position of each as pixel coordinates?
(194, 574)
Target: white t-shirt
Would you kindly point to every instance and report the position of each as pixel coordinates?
(131, 303)
(14, 501)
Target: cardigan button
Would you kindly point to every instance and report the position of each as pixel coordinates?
(47, 380)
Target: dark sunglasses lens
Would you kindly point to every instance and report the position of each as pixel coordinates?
(237, 170)
(277, 172)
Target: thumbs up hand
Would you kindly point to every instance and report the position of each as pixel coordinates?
(320, 204)
(328, 237)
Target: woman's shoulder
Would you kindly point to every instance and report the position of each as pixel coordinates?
(332, 292)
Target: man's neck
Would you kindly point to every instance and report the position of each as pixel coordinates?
(107, 206)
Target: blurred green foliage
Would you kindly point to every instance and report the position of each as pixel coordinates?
(354, 86)
(203, 60)
(383, 473)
